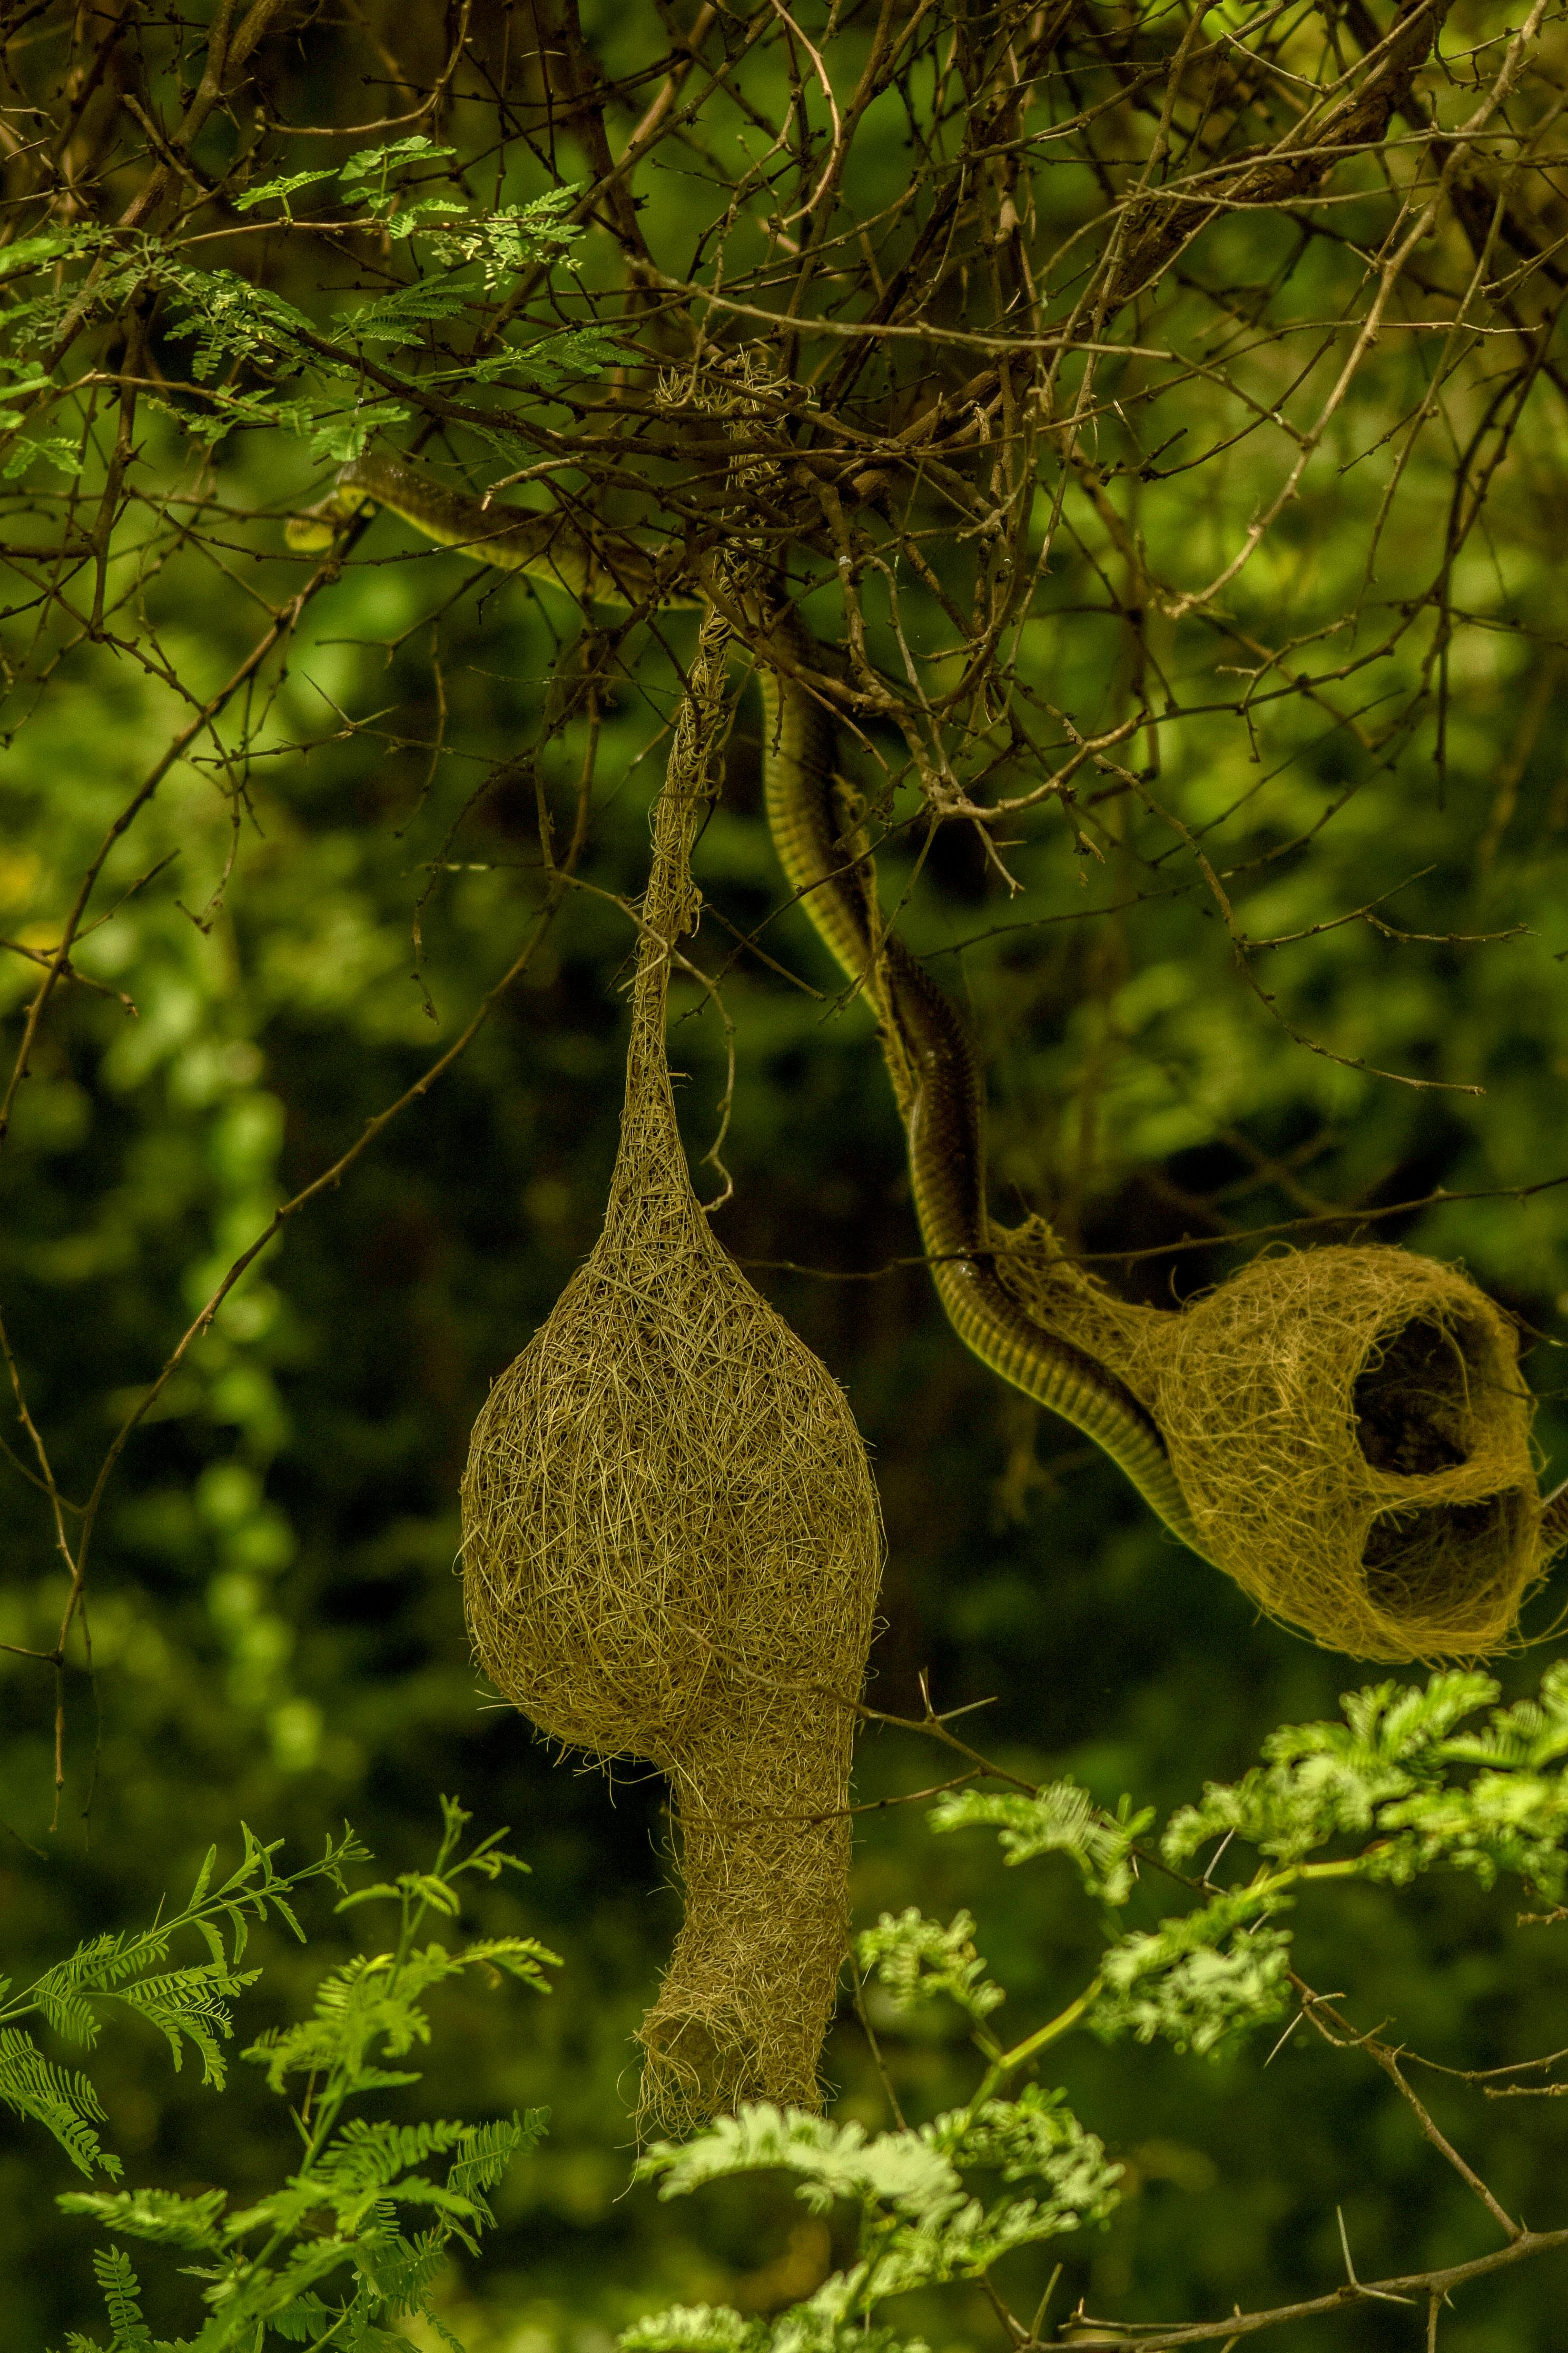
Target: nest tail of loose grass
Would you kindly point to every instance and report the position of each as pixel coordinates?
(750, 1984)
(1350, 1429)
(671, 1550)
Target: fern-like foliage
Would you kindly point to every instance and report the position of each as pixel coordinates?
(228, 318)
(59, 2098)
(1391, 1775)
(347, 2247)
(505, 243)
(256, 361)
(915, 1960)
(159, 2215)
(920, 2226)
(1404, 1782)
(1059, 1819)
(1194, 1984)
(281, 189)
(327, 2256)
(122, 2291)
(189, 2004)
(404, 316)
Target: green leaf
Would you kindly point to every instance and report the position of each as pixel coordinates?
(203, 1880)
(283, 188)
(489, 2150)
(416, 149)
(367, 2155)
(256, 2292)
(60, 1992)
(1515, 1821)
(694, 2328)
(56, 2097)
(35, 252)
(900, 2169)
(1036, 2137)
(190, 2005)
(228, 318)
(339, 439)
(341, 2207)
(122, 2294)
(1530, 1735)
(508, 241)
(398, 317)
(523, 1957)
(304, 2320)
(412, 218)
(156, 2214)
(399, 2271)
(383, 1888)
(1321, 1782)
(1200, 1983)
(67, 458)
(960, 2244)
(1060, 1820)
(917, 1960)
(547, 364)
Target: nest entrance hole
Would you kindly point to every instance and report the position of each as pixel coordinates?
(1443, 1560)
(1414, 1399)
(1424, 1403)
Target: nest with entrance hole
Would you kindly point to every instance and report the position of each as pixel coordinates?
(1349, 1430)
(671, 1550)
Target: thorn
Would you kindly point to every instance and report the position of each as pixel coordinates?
(1345, 2245)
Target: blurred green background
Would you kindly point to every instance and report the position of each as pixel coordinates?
(276, 1629)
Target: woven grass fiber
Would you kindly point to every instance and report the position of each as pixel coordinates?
(1351, 1430)
(671, 1550)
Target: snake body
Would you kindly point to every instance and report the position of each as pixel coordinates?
(935, 1078)
(938, 1084)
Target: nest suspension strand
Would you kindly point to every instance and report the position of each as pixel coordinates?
(671, 1550)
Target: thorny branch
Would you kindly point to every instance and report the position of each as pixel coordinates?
(1433, 2288)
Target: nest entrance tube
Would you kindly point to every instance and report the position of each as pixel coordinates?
(671, 1550)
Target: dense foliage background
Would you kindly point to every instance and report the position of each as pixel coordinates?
(1367, 715)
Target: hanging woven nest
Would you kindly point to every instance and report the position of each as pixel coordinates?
(1349, 1430)
(671, 1548)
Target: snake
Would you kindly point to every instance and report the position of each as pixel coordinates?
(831, 873)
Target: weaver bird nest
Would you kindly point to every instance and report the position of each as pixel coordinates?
(1349, 1430)
(671, 1550)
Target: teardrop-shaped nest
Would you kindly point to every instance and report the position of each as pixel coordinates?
(1349, 1430)
(671, 1546)
(667, 1499)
